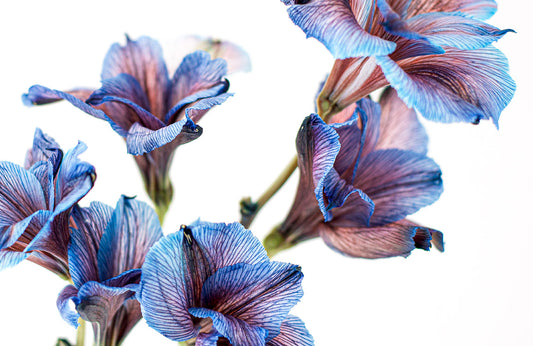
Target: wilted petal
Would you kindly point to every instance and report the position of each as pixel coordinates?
(143, 60)
(10, 258)
(131, 231)
(37, 93)
(292, 333)
(89, 226)
(236, 58)
(261, 294)
(65, 296)
(196, 72)
(238, 332)
(334, 24)
(399, 182)
(456, 86)
(126, 103)
(389, 240)
(141, 140)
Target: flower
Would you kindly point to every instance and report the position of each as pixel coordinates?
(35, 203)
(360, 179)
(106, 252)
(154, 113)
(214, 282)
(436, 54)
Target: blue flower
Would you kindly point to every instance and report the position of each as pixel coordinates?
(359, 180)
(214, 283)
(436, 54)
(154, 113)
(106, 252)
(35, 203)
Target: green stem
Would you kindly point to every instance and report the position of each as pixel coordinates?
(80, 333)
(275, 242)
(250, 209)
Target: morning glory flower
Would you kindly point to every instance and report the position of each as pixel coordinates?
(154, 113)
(106, 252)
(360, 179)
(35, 203)
(436, 54)
(213, 284)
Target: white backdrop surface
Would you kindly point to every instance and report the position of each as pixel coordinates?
(478, 292)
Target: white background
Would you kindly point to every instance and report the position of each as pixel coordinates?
(478, 292)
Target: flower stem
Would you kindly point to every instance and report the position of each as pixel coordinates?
(250, 209)
(80, 333)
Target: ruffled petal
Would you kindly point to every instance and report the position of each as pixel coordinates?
(125, 101)
(10, 258)
(480, 9)
(335, 25)
(398, 182)
(235, 56)
(88, 227)
(261, 294)
(65, 296)
(456, 86)
(292, 333)
(131, 231)
(389, 240)
(39, 94)
(143, 60)
(141, 140)
(196, 72)
(238, 332)
(453, 30)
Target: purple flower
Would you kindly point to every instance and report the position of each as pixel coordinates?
(154, 113)
(106, 252)
(436, 54)
(35, 203)
(360, 179)
(214, 283)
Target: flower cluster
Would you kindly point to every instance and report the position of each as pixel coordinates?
(363, 169)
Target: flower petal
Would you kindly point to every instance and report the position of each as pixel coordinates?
(141, 140)
(399, 127)
(21, 194)
(292, 333)
(480, 9)
(177, 266)
(131, 231)
(44, 147)
(389, 240)
(196, 72)
(98, 302)
(237, 331)
(261, 294)
(39, 94)
(456, 86)
(454, 30)
(143, 60)
(68, 293)
(88, 226)
(399, 182)
(335, 25)
(125, 102)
